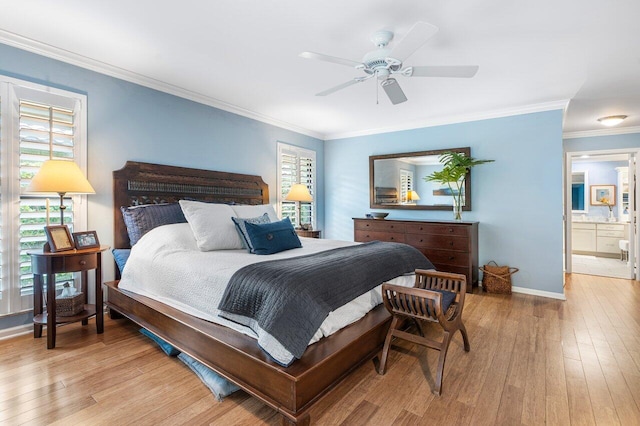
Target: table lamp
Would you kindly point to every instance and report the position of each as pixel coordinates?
(299, 193)
(412, 196)
(62, 177)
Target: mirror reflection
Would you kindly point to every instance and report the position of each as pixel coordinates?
(397, 181)
(579, 192)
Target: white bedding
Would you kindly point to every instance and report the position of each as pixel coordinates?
(166, 265)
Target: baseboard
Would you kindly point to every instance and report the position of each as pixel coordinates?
(19, 330)
(533, 292)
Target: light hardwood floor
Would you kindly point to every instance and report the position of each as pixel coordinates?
(532, 361)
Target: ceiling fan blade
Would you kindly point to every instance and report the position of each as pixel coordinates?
(327, 58)
(461, 71)
(415, 38)
(393, 91)
(339, 87)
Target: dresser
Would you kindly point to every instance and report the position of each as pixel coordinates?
(452, 246)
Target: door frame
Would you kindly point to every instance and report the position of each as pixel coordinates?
(634, 193)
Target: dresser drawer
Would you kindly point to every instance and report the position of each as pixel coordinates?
(68, 263)
(616, 234)
(447, 242)
(365, 236)
(379, 225)
(436, 229)
(610, 227)
(447, 257)
(608, 245)
(589, 226)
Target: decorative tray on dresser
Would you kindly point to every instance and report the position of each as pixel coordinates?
(452, 246)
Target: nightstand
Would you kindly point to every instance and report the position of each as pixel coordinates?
(48, 264)
(308, 234)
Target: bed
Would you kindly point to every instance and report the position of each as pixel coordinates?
(292, 391)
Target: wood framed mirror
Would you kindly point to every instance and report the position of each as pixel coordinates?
(396, 181)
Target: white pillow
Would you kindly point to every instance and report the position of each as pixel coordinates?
(212, 225)
(245, 211)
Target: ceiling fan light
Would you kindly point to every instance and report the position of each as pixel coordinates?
(612, 120)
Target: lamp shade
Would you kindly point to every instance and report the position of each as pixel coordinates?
(299, 192)
(413, 196)
(62, 177)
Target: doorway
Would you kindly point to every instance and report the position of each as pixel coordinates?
(600, 213)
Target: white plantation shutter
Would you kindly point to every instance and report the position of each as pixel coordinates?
(42, 123)
(406, 184)
(288, 176)
(46, 132)
(296, 165)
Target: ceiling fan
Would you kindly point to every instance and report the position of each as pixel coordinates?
(384, 62)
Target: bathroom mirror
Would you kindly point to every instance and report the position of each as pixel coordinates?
(396, 181)
(579, 193)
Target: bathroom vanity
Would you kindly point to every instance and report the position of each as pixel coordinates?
(598, 238)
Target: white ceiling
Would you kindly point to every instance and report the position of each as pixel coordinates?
(243, 56)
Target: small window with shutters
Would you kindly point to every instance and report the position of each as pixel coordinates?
(37, 123)
(296, 165)
(406, 184)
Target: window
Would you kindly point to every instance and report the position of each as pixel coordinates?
(406, 184)
(296, 165)
(36, 123)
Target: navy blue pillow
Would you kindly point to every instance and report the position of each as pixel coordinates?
(270, 238)
(166, 347)
(142, 219)
(242, 229)
(121, 256)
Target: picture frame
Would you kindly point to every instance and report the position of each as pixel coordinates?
(603, 195)
(59, 238)
(86, 240)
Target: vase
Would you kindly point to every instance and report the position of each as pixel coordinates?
(458, 202)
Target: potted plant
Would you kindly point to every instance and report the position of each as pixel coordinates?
(456, 165)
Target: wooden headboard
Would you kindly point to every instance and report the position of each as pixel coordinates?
(145, 183)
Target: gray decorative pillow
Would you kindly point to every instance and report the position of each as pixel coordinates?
(242, 228)
(142, 219)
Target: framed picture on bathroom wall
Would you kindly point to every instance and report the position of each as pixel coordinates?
(603, 195)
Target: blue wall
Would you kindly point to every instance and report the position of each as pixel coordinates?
(130, 122)
(517, 199)
(600, 173)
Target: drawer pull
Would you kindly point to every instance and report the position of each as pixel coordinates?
(451, 257)
(450, 229)
(451, 243)
(83, 262)
(421, 240)
(391, 238)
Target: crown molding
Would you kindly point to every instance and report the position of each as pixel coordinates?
(66, 56)
(454, 119)
(601, 132)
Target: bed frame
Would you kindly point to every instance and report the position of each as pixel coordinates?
(292, 391)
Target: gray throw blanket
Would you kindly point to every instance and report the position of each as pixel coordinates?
(290, 298)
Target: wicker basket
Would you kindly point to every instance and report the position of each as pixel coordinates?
(497, 279)
(69, 306)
